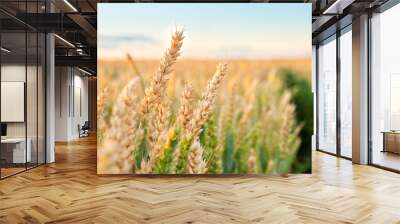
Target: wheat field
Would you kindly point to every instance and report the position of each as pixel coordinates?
(192, 116)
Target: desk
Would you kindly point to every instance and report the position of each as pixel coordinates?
(16, 148)
(391, 141)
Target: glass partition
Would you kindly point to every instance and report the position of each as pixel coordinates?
(22, 67)
(32, 101)
(327, 96)
(346, 93)
(41, 109)
(32, 95)
(385, 89)
(14, 153)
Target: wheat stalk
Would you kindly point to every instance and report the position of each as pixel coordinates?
(205, 107)
(101, 103)
(196, 164)
(207, 100)
(186, 109)
(221, 125)
(252, 162)
(287, 120)
(117, 151)
(250, 101)
(135, 69)
(160, 124)
(101, 100)
(133, 65)
(155, 100)
(157, 88)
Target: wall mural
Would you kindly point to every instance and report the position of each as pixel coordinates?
(204, 88)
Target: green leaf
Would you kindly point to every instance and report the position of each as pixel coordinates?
(163, 164)
(303, 99)
(229, 149)
(184, 145)
(209, 141)
(143, 152)
(262, 155)
(243, 151)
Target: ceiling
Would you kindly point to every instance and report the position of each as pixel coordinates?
(75, 22)
(332, 15)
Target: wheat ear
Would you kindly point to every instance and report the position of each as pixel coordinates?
(185, 116)
(101, 100)
(135, 69)
(196, 164)
(117, 151)
(207, 100)
(186, 109)
(287, 116)
(252, 162)
(101, 103)
(160, 131)
(155, 101)
(159, 82)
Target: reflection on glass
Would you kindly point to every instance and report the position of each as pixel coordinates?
(327, 96)
(346, 94)
(15, 151)
(22, 90)
(41, 98)
(31, 100)
(385, 114)
(394, 102)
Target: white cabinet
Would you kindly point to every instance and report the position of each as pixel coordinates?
(19, 155)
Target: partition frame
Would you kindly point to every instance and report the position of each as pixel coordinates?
(44, 95)
(381, 9)
(387, 5)
(337, 34)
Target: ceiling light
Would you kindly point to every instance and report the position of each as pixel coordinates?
(64, 40)
(84, 71)
(79, 51)
(337, 7)
(333, 6)
(5, 50)
(70, 5)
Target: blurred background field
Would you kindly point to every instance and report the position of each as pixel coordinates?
(115, 73)
(293, 76)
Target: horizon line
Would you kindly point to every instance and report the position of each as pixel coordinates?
(207, 59)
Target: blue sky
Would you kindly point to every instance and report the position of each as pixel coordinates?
(245, 30)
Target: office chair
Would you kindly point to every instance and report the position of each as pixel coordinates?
(84, 130)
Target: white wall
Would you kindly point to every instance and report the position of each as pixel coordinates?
(33, 125)
(360, 89)
(80, 93)
(70, 84)
(12, 73)
(62, 82)
(50, 95)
